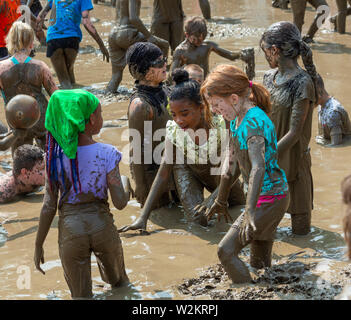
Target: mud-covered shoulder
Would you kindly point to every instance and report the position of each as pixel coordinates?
(139, 110)
(268, 77)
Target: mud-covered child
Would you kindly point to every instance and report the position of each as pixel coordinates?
(79, 174)
(27, 174)
(195, 73)
(196, 50)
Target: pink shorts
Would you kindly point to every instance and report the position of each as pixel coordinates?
(269, 199)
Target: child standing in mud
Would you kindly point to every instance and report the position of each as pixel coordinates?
(196, 137)
(129, 30)
(21, 74)
(293, 98)
(79, 174)
(64, 35)
(333, 120)
(195, 50)
(147, 113)
(253, 149)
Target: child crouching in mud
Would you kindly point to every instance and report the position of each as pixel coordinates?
(252, 148)
(79, 171)
(196, 136)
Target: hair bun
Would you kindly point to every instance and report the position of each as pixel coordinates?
(180, 75)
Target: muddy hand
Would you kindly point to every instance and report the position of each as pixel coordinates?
(139, 224)
(39, 257)
(220, 209)
(105, 53)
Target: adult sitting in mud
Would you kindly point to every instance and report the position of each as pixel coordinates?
(21, 74)
(64, 35)
(193, 141)
(293, 97)
(147, 113)
(129, 30)
(195, 50)
(79, 174)
(333, 120)
(27, 175)
(253, 150)
(298, 8)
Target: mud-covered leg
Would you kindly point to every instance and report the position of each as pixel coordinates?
(298, 8)
(341, 16)
(70, 58)
(228, 251)
(314, 27)
(261, 254)
(205, 9)
(236, 195)
(59, 63)
(190, 190)
(116, 79)
(301, 223)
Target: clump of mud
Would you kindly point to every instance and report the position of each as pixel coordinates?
(99, 90)
(291, 280)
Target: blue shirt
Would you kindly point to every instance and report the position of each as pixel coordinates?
(65, 19)
(257, 123)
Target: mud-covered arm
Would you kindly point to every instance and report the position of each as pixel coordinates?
(177, 62)
(158, 187)
(297, 120)
(230, 55)
(119, 189)
(336, 135)
(256, 151)
(88, 25)
(9, 138)
(230, 174)
(48, 80)
(135, 20)
(139, 112)
(47, 213)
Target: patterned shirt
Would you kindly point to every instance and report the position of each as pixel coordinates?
(257, 123)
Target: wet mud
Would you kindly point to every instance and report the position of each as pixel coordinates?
(175, 243)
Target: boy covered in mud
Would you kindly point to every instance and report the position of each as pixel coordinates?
(333, 121)
(129, 30)
(195, 50)
(27, 174)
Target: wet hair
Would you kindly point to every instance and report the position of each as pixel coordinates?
(188, 89)
(139, 57)
(346, 197)
(26, 156)
(194, 67)
(320, 87)
(196, 25)
(20, 36)
(226, 80)
(287, 38)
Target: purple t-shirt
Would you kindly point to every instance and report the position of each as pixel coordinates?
(95, 161)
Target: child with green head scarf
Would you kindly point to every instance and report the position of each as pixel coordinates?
(79, 172)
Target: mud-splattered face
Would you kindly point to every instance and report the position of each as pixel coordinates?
(186, 114)
(195, 39)
(158, 72)
(96, 120)
(222, 106)
(197, 76)
(271, 54)
(36, 176)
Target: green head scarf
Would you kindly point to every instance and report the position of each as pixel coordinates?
(66, 116)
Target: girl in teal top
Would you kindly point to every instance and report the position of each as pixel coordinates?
(253, 150)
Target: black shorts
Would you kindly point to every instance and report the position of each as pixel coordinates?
(63, 43)
(3, 53)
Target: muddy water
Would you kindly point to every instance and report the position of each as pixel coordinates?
(178, 249)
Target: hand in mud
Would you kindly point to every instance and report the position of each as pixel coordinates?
(200, 210)
(138, 224)
(220, 210)
(19, 133)
(105, 53)
(140, 194)
(39, 257)
(247, 228)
